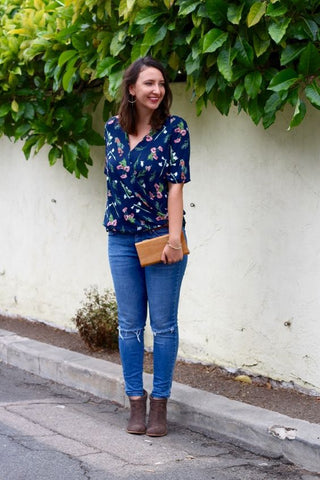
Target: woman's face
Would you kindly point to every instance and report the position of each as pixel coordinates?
(149, 89)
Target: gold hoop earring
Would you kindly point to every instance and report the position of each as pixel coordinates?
(132, 100)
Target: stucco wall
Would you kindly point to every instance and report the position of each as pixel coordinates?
(251, 296)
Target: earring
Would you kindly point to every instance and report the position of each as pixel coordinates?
(132, 99)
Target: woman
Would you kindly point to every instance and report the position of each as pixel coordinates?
(147, 163)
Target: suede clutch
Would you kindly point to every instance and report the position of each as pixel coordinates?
(150, 251)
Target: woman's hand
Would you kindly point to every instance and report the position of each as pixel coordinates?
(172, 254)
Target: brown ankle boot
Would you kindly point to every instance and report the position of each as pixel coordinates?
(137, 421)
(157, 424)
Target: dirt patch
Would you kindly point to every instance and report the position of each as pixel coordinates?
(261, 392)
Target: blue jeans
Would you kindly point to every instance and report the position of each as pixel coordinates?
(136, 288)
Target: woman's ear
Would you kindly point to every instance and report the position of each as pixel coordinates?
(132, 90)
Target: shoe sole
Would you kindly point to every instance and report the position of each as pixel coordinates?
(156, 434)
(136, 433)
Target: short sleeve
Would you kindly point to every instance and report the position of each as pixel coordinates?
(179, 168)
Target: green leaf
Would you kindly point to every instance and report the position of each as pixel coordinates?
(21, 131)
(299, 114)
(126, 7)
(239, 72)
(81, 169)
(153, 36)
(114, 83)
(200, 105)
(4, 109)
(277, 30)
(234, 13)
(94, 138)
(15, 106)
(290, 53)
(174, 61)
(212, 80)
(64, 117)
(200, 88)
(83, 148)
(256, 12)
(69, 155)
(105, 67)
(283, 80)
(311, 28)
(118, 43)
(187, 7)
(312, 92)
(224, 62)
(238, 91)
(244, 51)
(309, 60)
(222, 101)
(37, 47)
(41, 127)
(168, 3)
(79, 125)
(192, 65)
(255, 110)
(268, 120)
(54, 154)
(27, 147)
(29, 111)
(252, 83)
(50, 66)
(66, 56)
(260, 46)
(79, 42)
(213, 40)
(291, 96)
(273, 103)
(135, 52)
(68, 79)
(276, 10)
(147, 15)
(217, 11)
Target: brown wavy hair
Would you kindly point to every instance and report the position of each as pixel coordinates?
(127, 111)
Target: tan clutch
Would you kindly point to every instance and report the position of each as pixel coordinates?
(150, 251)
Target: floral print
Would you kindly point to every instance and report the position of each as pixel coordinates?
(137, 179)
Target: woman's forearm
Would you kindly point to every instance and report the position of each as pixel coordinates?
(175, 213)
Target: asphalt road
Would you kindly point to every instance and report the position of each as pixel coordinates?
(51, 432)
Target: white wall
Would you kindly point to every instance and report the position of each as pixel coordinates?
(251, 296)
(52, 243)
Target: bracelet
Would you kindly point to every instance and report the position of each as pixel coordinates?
(174, 248)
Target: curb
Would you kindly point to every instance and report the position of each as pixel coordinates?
(256, 429)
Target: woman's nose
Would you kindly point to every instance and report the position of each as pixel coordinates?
(156, 88)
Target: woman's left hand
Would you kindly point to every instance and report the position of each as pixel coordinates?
(171, 255)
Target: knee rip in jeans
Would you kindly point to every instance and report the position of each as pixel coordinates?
(170, 330)
(129, 334)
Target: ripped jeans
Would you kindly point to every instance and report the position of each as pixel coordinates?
(156, 287)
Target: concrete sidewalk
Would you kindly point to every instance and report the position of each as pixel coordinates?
(256, 429)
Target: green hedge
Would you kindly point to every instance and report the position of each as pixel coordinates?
(59, 58)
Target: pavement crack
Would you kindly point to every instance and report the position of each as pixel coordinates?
(15, 440)
(50, 429)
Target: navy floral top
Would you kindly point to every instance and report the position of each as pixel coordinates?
(137, 179)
